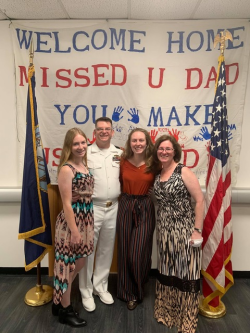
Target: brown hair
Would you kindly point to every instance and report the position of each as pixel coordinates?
(128, 153)
(106, 119)
(156, 164)
(67, 147)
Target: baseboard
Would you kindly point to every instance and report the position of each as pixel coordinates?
(21, 271)
(241, 274)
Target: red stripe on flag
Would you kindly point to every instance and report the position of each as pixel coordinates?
(227, 215)
(217, 262)
(206, 288)
(228, 247)
(227, 181)
(212, 160)
(213, 211)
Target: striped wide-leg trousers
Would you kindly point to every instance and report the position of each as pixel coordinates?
(135, 228)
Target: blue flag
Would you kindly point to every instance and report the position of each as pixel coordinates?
(34, 225)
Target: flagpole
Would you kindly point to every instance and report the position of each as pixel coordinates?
(206, 309)
(40, 294)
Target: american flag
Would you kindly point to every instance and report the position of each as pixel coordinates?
(217, 230)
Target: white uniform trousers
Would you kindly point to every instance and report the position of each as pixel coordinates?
(104, 239)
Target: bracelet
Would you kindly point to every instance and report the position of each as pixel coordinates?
(199, 230)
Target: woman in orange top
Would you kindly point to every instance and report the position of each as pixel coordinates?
(135, 218)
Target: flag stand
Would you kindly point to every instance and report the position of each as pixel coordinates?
(207, 311)
(40, 294)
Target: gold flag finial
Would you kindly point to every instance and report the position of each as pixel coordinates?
(31, 52)
(221, 38)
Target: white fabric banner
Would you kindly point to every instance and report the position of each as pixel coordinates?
(158, 75)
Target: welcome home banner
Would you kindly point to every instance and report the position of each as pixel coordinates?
(156, 75)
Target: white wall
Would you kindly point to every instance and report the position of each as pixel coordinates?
(11, 249)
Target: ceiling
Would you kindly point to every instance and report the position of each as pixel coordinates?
(124, 9)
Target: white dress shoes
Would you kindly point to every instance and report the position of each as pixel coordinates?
(89, 304)
(105, 297)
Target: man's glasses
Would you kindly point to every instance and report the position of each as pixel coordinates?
(161, 149)
(101, 129)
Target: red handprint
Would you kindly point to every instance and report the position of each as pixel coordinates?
(174, 133)
(93, 138)
(153, 135)
(207, 146)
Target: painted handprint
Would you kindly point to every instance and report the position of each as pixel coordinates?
(116, 116)
(174, 133)
(153, 135)
(93, 138)
(134, 114)
(207, 146)
(230, 135)
(204, 133)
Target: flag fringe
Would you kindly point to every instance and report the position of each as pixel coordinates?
(208, 299)
(31, 233)
(31, 73)
(221, 290)
(50, 247)
(37, 261)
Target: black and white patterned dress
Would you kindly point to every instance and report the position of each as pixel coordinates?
(179, 264)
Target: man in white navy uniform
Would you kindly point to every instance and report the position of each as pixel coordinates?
(104, 164)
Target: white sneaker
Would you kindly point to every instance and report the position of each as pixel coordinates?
(105, 297)
(89, 304)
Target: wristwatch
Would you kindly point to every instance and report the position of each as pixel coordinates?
(199, 230)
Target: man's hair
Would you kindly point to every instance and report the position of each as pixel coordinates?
(106, 119)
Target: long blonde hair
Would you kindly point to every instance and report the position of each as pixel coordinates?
(67, 147)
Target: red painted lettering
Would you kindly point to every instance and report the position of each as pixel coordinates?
(150, 74)
(63, 78)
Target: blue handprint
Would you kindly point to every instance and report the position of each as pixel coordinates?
(231, 128)
(205, 134)
(134, 114)
(230, 135)
(116, 116)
